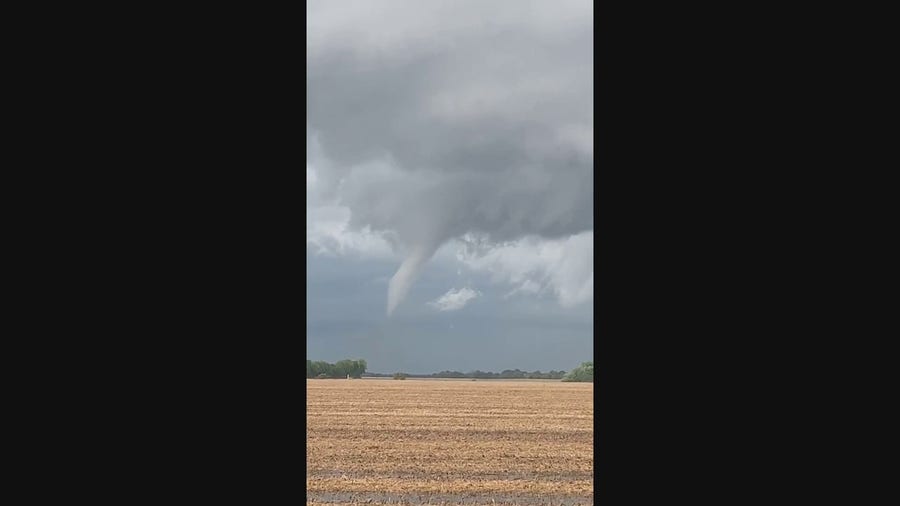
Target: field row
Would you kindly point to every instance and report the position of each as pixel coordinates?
(431, 442)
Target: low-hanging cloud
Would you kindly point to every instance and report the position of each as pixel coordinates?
(562, 267)
(454, 300)
(429, 120)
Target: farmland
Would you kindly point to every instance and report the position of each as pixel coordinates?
(449, 442)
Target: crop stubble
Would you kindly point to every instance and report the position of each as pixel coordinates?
(446, 442)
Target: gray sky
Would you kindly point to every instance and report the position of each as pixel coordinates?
(450, 183)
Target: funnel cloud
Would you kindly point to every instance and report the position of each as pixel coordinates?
(402, 280)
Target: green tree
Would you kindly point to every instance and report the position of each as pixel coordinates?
(319, 367)
(582, 373)
(343, 368)
(359, 368)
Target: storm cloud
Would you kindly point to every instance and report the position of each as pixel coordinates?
(432, 120)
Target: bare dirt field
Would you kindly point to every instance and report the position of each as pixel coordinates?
(449, 442)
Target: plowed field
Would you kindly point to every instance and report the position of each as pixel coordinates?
(449, 442)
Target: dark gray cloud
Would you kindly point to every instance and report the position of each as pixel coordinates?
(433, 119)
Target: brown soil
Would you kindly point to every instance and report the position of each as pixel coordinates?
(446, 442)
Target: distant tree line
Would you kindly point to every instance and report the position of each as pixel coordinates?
(357, 369)
(582, 373)
(505, 374)
(340, 369)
